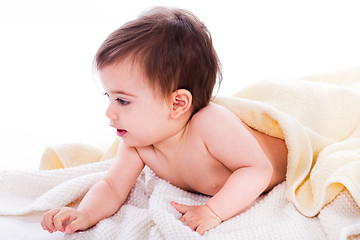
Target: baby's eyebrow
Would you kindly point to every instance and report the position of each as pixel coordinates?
(124, 93)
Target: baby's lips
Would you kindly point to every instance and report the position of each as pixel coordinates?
(121, 132)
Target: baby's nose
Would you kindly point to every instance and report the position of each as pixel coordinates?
(110, 114)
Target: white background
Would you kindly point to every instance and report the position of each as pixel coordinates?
(48, 94)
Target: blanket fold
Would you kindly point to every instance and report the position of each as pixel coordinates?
(320, 123)
(75, 154)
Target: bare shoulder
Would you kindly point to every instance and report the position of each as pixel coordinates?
(226, 137)
(126, 158)
(212, 112)
(214, 116)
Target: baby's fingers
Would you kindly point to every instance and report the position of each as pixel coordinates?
(201, 229)
(205, 226)
(75, 225)
(180, 207)
(63, 218)
(47, 221)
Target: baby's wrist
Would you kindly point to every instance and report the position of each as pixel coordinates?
(214, 213)
(87, 218)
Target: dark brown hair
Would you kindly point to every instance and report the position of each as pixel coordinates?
(173, 47)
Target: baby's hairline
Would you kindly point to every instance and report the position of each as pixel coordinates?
(153, 85)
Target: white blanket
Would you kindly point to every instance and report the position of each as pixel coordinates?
(148, 214)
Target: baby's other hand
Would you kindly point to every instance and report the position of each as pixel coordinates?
(198, 218)
(64, 219)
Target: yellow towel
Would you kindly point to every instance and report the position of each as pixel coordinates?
(320, 123)
(75, 154)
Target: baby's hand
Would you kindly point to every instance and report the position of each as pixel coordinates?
(198, 218)
(64, 219)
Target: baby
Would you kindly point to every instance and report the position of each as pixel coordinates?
(159, 72)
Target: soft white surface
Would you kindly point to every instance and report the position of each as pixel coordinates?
(147, 214)
(25, 227)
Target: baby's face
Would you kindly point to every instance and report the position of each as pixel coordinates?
(138, 116)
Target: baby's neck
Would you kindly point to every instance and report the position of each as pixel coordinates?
(177, 133)
(174, 141)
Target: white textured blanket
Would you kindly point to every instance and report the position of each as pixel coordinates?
(148, 214)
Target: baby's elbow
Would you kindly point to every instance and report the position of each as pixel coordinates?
(266, 171)
(267, 174)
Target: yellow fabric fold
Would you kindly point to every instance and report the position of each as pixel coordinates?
(320, 122)
(75, 154)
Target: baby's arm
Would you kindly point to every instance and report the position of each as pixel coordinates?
(240, 190)
(234, 146)
(102, 200)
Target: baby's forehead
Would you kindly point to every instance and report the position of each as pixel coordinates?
(134, 73)
(140, 67)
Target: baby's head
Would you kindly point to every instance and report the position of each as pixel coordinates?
(174, 50)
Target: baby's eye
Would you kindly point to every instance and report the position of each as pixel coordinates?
(106, 94)
(122, 101)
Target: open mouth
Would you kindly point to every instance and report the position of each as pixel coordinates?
(121, 132)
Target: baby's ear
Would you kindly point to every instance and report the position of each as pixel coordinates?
(181, 101)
